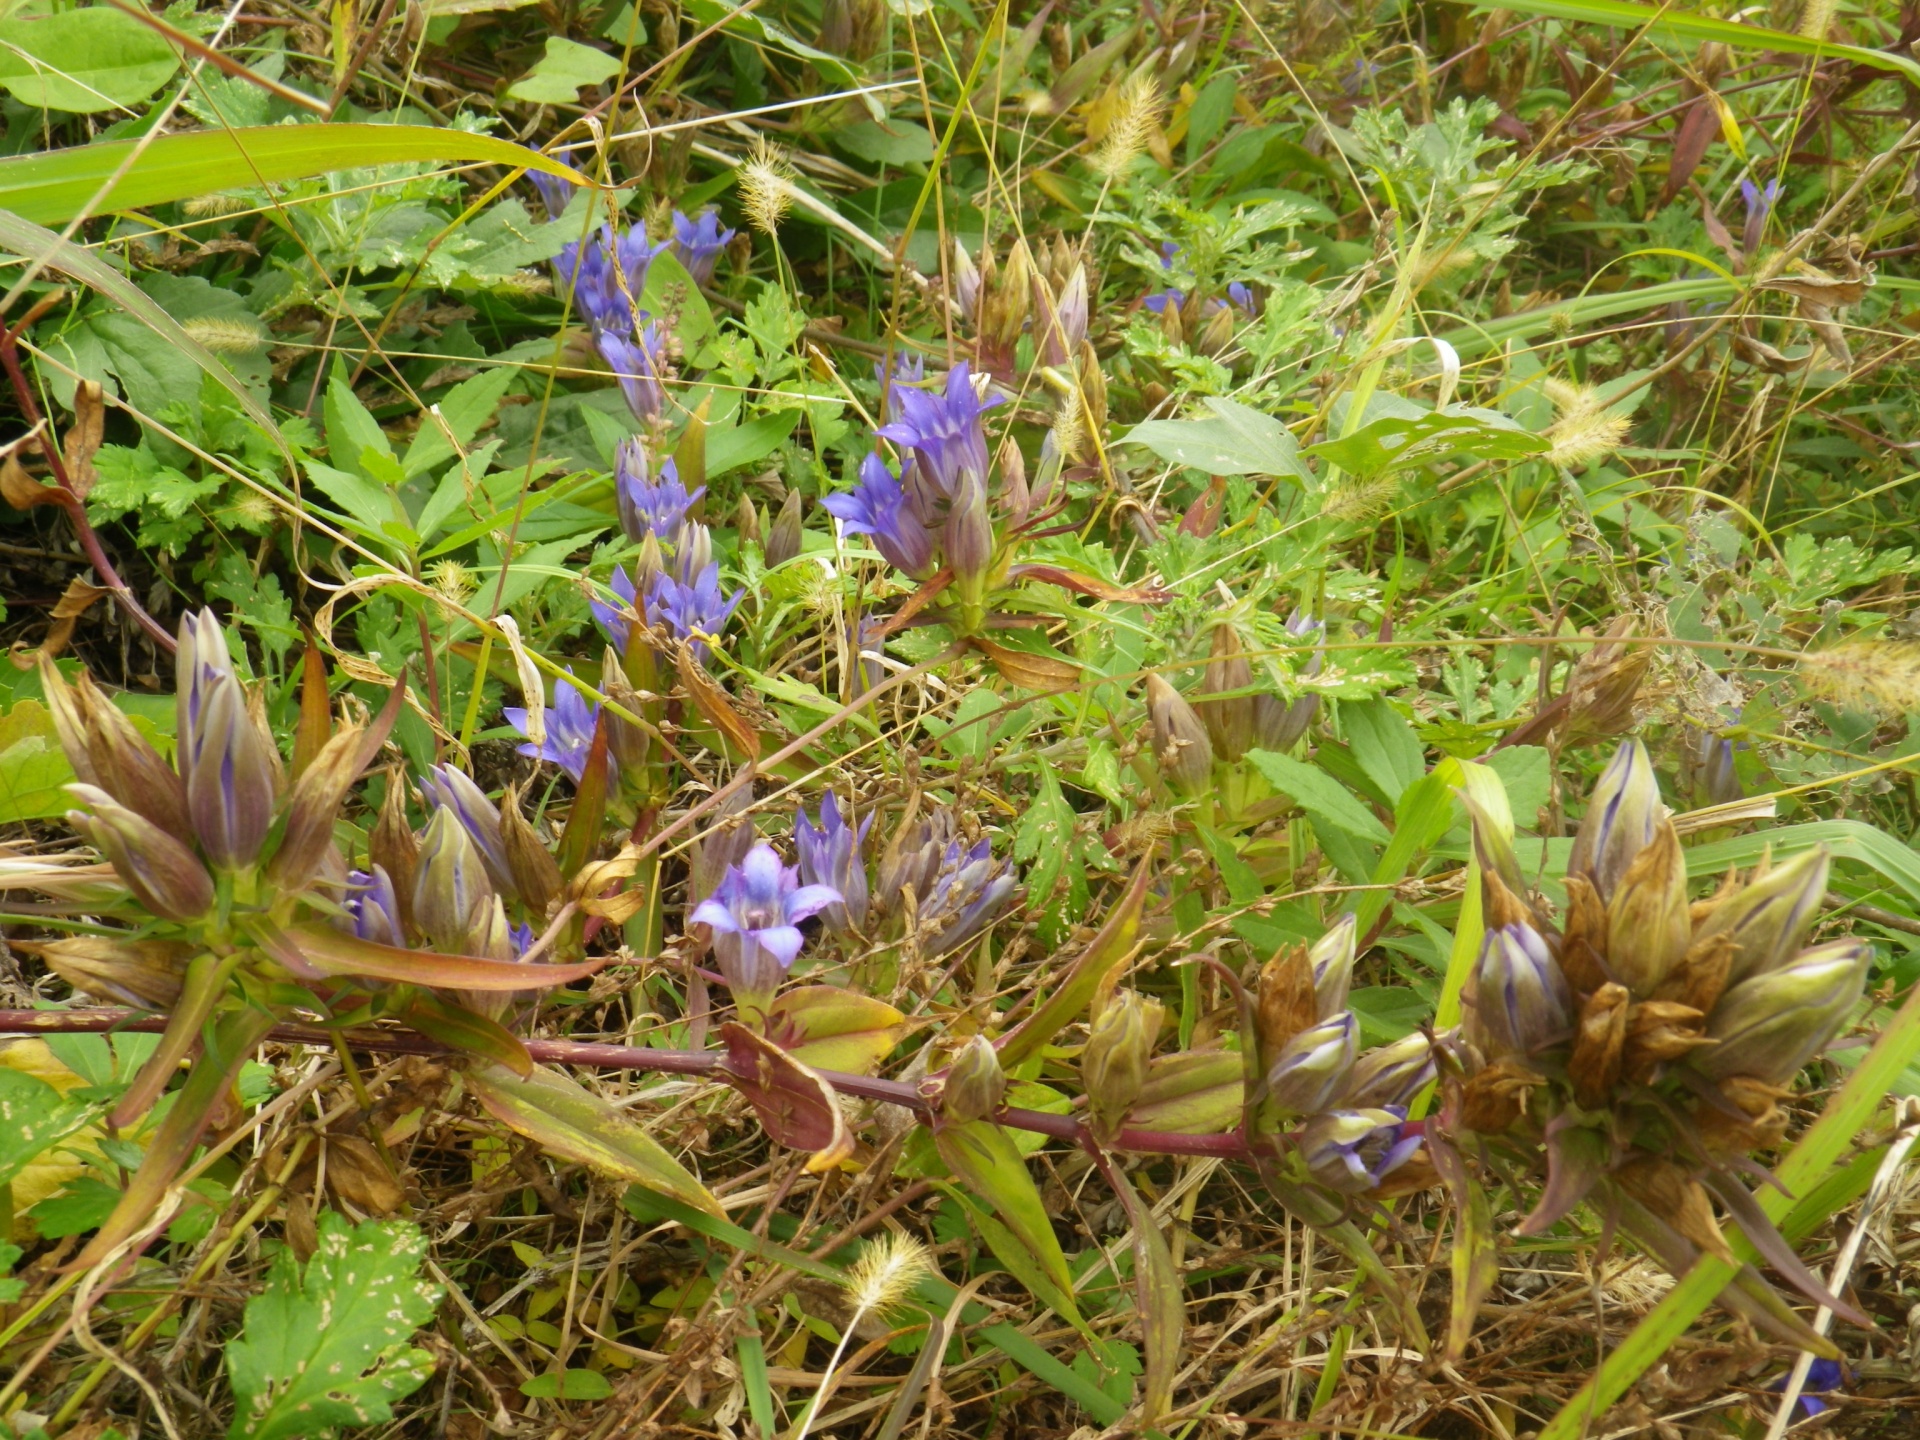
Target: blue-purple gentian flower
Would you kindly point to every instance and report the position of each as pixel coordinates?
(830, 855)
(754, 914)
(570, 722)
(638, 364)
(697, 244)
(944, 430)
(373, 909)
(695, 612)
(880, 507)
(649, 505)
(1823, 1378)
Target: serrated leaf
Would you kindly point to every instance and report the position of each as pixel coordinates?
(558, 1115)
(1235, 440)
(325, 1346)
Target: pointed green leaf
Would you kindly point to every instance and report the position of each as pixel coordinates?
(833, 1029)
(984, 1156)
(1110, 947)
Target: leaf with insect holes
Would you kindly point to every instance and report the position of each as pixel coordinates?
(33, 1118)
(326, 1346)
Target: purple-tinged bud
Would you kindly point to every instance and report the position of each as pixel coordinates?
(105, 749)
(1769, 918)
(1113, 1065)
(1774, 1023)
(230, 782)
(146, 974)
(201, 661)
(1060, 322)
(536, 876)
(1278, 724)
(1719, 778)
(1332, 957)
(1313, 1068)
(968, 535)
(313, 805)
(1521, 1002)
(1229, 720)
(968, 891)
(164, 876)
(391, 845)
(1353, 1151)
(1621, 818)
(783, 538)
(372, 908)
(629, 744)
(1649, 922)
(966, 281)
(1392, 1074)
(445, 788)
(1180, 744)
(450, 887)
(975, 1085)
(830, 855)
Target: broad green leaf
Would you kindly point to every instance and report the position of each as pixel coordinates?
(896, 142)
(352, 432)
(986, 1160)
(1235, 440)
(558, 1115)
(83, 61)
(568, 67)
(1110, 947)
(827, 1028)
(53, 187)
(568, 1385)
(34, 771)
(327, 1347)
(1848, 839)
(752, 27)
(1320, 795)
(449, 426)
(732, 447)
(1384, 744)
(33, 1117)
(1396, 443)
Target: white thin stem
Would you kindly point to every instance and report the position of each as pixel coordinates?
(813, 1405)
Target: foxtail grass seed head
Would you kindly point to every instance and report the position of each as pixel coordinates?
(225, 336)
(1357, 498)
(1134, 119)
(766, 188)
(1870, 675)
(887, 1271)
(212, 207)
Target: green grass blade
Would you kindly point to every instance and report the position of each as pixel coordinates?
(1678, 24)
(1801, 1172)
(53, 188)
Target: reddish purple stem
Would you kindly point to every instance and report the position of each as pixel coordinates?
(1232, 1144)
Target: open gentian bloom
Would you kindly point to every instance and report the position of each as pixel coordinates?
(696, 613)
(607, 275)
(1352, 1151)
(944, 431)
(697, 244)
(612, 619)
(570, 724)
(1823, 1378)
(1160, 300)
(373, 909)
(830, 856)
(637, 364)
(755, 914)
(650, 506)
(880, 507)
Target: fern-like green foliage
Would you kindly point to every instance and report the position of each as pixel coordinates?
(325, 1345)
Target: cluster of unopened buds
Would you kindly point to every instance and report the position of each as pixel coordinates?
(1645, 1043)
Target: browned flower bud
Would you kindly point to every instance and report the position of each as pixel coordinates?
(106, 750)
(783, 540)
(629, 743)
(164, 876)
(146, 974)
(1649, 925)
(314, 807)
(1229, 719)
(1677, 1198)
(535, 874)
(748, 527)
(1217, 334)
(1599, 1045)
(1659, 1031)
(975, 1084)
(1497, 1097)
(1284, 1002)
(392, 845)
(1006, 301)
(1604, 685)
(1583, 937)
(1180, 744)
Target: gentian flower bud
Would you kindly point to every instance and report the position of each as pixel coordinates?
(1005, 303)
(1113, 1066)
(975, 1084)
(1180, 743)
(1229, 721)
(1620, 821)
(1093, 395)
(1649, 922)
(1332, 957)
(968, 541)
(1392, 1074)
(783, 539)
(230, 780)
(372, 908)
(1719, 779)
(164, 876)
(146, 974)
(755, 914)
(200, 662)
(1770, 1025)
(1278, 724)
(445, 788)
(1353, 1151)
(536, 878)
(966, 281)
(392, 846)
(630, 746)
(1769, 918)
(1521, 1001)
(723, 846)
(830, 856)
(967, 892)
(450, 887)
(1314, 1067)
(1060, 321)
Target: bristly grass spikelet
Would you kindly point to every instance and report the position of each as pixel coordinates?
(211, 207)
(1355, 498)
(1816, 19)
(766, 187)
(1585, 432)
(224, 336)
(1133, 120)
(1881, 675)
(886, 1271)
